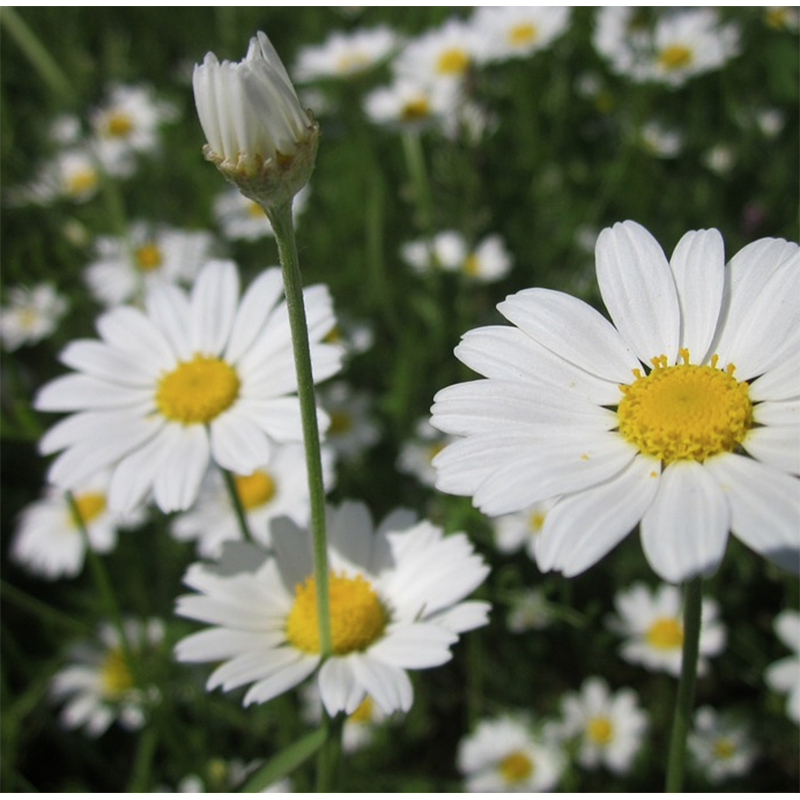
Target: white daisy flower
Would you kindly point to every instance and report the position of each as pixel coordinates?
(241, 218)
(609, 727)
(32, 314)
(276, 489)
(353, 428)
(530, 611)
(346, 55)
(192, 379)
(417, 454)
(487, 261)
(782, 18)
(661, 141)
(48, 540)
(721, 746)
(682, 418)
(98, 689)
(651, 622)
(784, 674)
(73, 174)
(507, 755)
(521, 529)
(394, 605)
(412, 104)
(127, 268)
(517, 31)
(447, 250)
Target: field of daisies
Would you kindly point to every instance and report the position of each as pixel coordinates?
(400, 399)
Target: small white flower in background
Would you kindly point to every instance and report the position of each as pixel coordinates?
(346, 55)
(784, 674)
(721, 746)
(660, 141)
(48, 540)
(353, 428)
(193, 379)
(276, 489)
(782, 18)
(720, 158)
(521, 529)
(72, 175)
(411, 104)
(355, 336)
(98, 688)
(488, 261)
(242, 219)
(127, 268)
(770, 121)
(32, 314)
(416, 455)
(517, 31)
(395, 604)
(530, 611)
(448, 251)
(257, 134)
(608, 726)
(508, 755)
(651, 623)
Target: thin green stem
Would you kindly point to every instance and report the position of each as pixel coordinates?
(281, 219)
(236, 502)
(330, 753)
(415, 161)
(684, 705)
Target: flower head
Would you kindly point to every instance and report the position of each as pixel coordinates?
(189, 380)
(721, 746)
(395, 604)
(31, 315)
(784, 674)
(680, 417)
(258, 135)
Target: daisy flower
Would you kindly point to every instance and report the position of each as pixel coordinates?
(651, 622)
(346, 55)
(32, 314)
(521, 529)
(242, 219)
(276, 489)
(720, 745)
(72, 174)
(517, 31)
(411, 104)
(128, 267)
(48, 540)
(417, 455)
(447, 250)
(784, 674)
(487, 261)
(394, 603)
(609, 727)
(681, 417)
(352, 426)
(530, 610)
(98, 689)
(506, 755)
(189, 380)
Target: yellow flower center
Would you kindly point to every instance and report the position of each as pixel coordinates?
(686, 411)
(599, 730)
(80, 181)
(348, 63)
(471, 265)
(363, 713)
(114, 674)
(118, 124)
(723, 748)
(341, 422)
(666, 633)
(522, 34)
(415, 110)
(777, 17)
(434, 450)
(515, 767)
(197, 390)
(357, 616)
(452, 61)
(675, 56)
(147, 257)
(254, 490)
(88, 506)
(536, 521)
(254, 210)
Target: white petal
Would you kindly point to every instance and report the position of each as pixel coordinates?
(581, 528)
(780, 383)
(130, 331)
(416, 646)
(338, 687)
(685, 530)
(101, 361)
(177, 482)
(169, 309)
(216, 644)
(638, 290)
(464, 616)
(350, 533)
(279, 417)
(254, 309)
(254, 665)
(135, 474)
(77, 392)
(782, 413)
(214, 300)
(281, 681)
(388, 686)
(778, 447)
(238, 444)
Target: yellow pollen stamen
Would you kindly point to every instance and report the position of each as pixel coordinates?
(666, 633)
(599, 730)
(522, 34)
(349, 63)
(777, 17)
(80, 181)
(114, 674)
(148, 257)
(88, 506)
(516, 767)
(363, 713)
(118, 124)
(414, 110)
(254, 490)
(471, 265)
(675, 56)
(254, 210)
(197, 390)
(434, 450)
(341, 422)
(536, 521)
(723, 748)
(452, 61)
(357, 616)
(685, 411)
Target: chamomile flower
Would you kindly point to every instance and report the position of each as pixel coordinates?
(346, 55)
(721, 746)
(276, 489)
(242, 219)
(190, 380)
(521, 529)
(127, 268)
(73, 175)
(353, 428)
(651, 623)
(395, 604)
(507, 755)
(680, 417)
(608, 726)
(517, 31)
(530, 611)
(417, 454)
(48, 540)
(412, 104)
(447, 250)
(32, 314)
(784, 675)
(98, 688)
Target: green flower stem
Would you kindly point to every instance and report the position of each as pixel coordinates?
(238, 508)
(330, 753)
(281, 219)
(415, 161)
(692, 611)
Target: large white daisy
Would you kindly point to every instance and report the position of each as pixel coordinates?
(394, 604)
(191, 379)
(680, 417)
